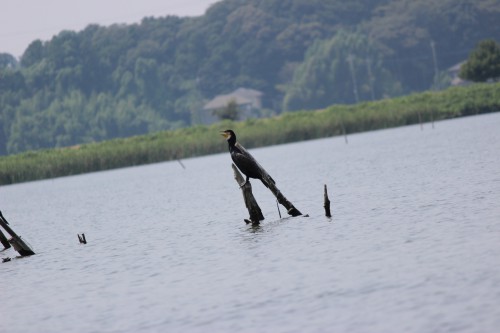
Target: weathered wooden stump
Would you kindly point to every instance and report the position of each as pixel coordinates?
(16, 241)
(4, 240)
(326, 203)
(82, 239)
(253, 207)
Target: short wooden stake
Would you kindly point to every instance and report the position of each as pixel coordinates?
(343, 130)
(420, 120)
(82, 239)
(327, 203)
(253, 207)
(180, 162)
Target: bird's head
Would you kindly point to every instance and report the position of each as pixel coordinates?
(228, 134)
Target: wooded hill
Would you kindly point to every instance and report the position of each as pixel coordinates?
(123, 80)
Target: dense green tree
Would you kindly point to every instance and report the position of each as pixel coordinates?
(407, 28)
(33, 54)
(483, 63)
(8, 61)
(344, 69)
(11, 80)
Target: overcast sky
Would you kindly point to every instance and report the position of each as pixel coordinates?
(23, 21)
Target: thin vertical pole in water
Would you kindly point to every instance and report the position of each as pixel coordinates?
(432, 116)
(343, 130)
(420, 120)
(180, 162)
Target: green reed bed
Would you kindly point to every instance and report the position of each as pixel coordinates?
(288, 127)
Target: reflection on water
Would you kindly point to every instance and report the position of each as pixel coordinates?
(412, 245)
(255, 228)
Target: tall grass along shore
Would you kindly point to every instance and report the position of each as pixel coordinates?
(288, 127)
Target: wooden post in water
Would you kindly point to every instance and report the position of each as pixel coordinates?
(420, 120)
(16, 241)
(343, 130)
(253, 207)
(4, 240)
(327, 203)
(432, 117)
(82, 239)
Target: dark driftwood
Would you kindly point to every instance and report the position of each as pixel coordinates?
(4, 240)
(253, 207)
(327, 204)
(82, 239)
(16, 241)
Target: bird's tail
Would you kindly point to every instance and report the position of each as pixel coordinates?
(266, 179)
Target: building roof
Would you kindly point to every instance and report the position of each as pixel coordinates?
(456, 68)
(241, 96)
(222, 101)
(248, 93)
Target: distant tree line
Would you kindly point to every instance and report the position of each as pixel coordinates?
(124, 80)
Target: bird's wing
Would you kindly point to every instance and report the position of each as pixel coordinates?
(248, 158)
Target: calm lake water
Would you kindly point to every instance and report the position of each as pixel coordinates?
(413, 245)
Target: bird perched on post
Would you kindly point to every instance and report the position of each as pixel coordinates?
(244, 161)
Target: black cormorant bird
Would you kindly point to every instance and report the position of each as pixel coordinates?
(244, 161)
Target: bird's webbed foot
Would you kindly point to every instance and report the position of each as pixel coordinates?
(245, 182)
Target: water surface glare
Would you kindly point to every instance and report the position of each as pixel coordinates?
(413, 245)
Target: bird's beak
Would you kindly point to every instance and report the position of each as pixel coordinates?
(224, 134)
